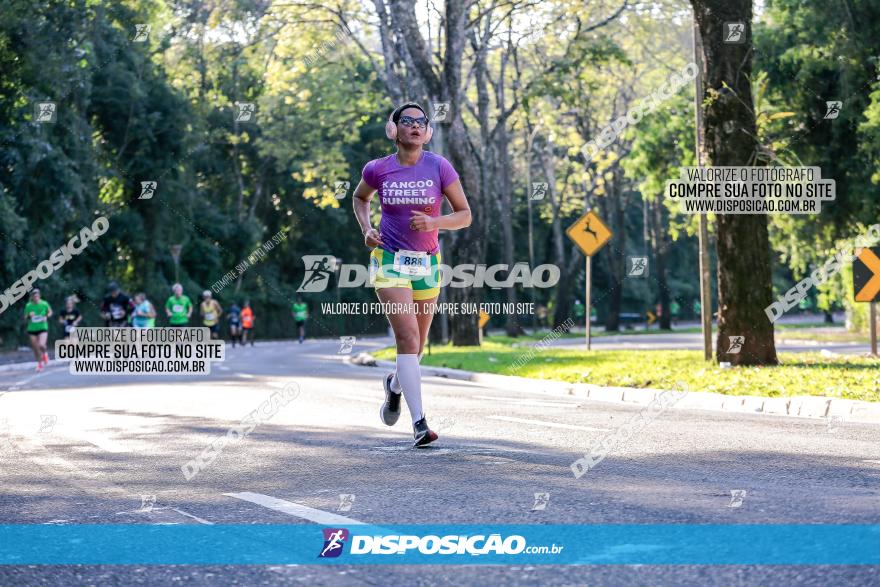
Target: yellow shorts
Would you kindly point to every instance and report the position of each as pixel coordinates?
(383, 275)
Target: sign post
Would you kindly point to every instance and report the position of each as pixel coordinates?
(590, 234)
(866, 285)
(703, 232)
(873, 330)
(588, 301)
(175, 254)
(483, 320)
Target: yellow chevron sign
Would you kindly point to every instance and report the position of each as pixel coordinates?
(866, 275)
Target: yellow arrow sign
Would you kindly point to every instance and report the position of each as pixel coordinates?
(484, 319)
(651, 318)
(589, 233)
(866, 276)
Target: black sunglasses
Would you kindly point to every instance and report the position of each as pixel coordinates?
(409, 121)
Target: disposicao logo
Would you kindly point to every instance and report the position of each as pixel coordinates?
(334, 539)
(431, 544)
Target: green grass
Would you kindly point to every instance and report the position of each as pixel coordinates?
(829, 335)
(815, 331)
(797, 374)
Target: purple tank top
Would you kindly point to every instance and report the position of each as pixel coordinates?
(403, 189)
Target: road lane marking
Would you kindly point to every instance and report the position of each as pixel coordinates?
(157, 512)
(548, 424)
(479, 450)
(293, 509)
(872, 461)
(527, 400)
(26, 380)
(196, 518)
(95, 439)
(359, 398)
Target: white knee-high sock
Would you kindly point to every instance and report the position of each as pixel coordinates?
(395, 382)
(409, 373)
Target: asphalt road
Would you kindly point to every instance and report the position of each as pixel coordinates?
(84, 449)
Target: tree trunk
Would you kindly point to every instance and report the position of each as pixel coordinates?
(728, 138)
(562, 294)
(613, 253)
(468, 246)
(502, 170)
(660, 245)
(565, 289)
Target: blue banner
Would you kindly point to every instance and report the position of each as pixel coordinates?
(648, 544)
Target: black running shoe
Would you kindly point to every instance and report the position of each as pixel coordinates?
(422, 434)
(390, 410)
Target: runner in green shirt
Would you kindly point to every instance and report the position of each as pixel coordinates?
(36, 314)
(300, 311)
(178, 308)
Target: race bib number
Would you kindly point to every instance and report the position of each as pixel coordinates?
(177, 309)
(411, 263)
(117, 312)
(209, 315)
(36, 318)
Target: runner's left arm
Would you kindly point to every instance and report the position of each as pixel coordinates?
(460, 217)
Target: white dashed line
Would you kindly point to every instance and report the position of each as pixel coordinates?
(196, 518)
(101, 442)
(360, 398)
(548, 424)
(527, 401)
(293, 509)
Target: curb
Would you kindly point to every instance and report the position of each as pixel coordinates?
(796, 406)
(29, 366)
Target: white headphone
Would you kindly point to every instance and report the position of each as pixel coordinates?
(391, 126)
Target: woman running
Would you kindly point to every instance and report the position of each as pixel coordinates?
(404, 263)
(234, 317)
(300, 311)
(247, 324)
(36, 314)
(70, 317)
(144, 312)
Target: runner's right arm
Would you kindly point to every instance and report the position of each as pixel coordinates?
(363, 193)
